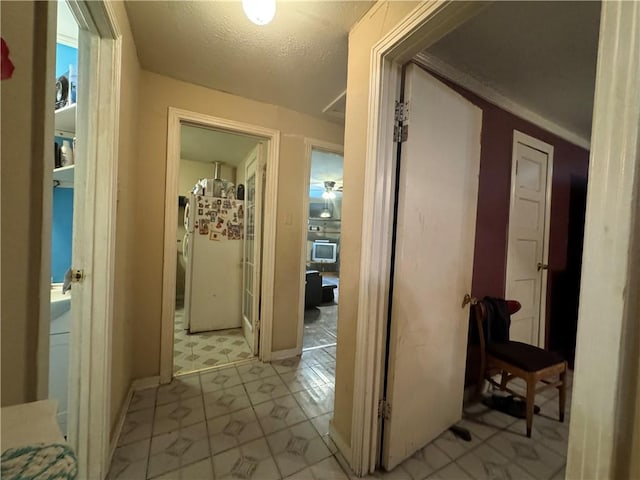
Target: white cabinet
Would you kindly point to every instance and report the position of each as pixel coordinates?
(65, 126)
(59, 374)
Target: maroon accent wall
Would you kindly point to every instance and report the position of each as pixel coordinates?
(494, 190)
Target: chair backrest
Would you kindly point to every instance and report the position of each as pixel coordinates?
(481, 314)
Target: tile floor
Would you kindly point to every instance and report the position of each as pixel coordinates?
(270, 421)
(321, 322)
(197, 351)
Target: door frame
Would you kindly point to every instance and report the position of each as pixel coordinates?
(616, 120)
(89, 401)
(176, 116)
(255, 328)
(309, 145)
(520, 137)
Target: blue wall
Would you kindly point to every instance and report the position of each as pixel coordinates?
(62, 224)
(61, 232)
(65, 56)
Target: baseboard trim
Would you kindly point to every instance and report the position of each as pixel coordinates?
(144, 383)
(343, 447)
(284, 354)
(139, 384)
(119, 425)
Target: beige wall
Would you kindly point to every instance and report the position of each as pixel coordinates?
(157, 93)
(374, 25)
(123, 320)
(191, 171)
(24, 28)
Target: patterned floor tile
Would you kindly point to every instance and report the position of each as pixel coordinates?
(560, 474)
(143, 399)
(278, 414)
(302, 379)
(251, 461)
(316, 401)
(266, 389)
(450, 472)
(182, 387)
(249, 409)
(198, 351)
(297, 447)
(287, 365)
(255, 371)
(316, 357)
(130, 461)
(178, 449)
(454, 446)
(201, 470)
(232, 430)
(532, 456)
(177, 415)
(137, 426)
(219, 379)
(397, 473)
(553, 434)
(479, 413)
(425, 461)
(327, 469)
(321, 423)
(484, 463)
(225, 401)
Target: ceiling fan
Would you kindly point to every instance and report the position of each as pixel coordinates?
(330, 187)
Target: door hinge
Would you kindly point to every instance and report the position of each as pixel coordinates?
(401, 129)
(384, 409)
(257, 324)
(77, 275)
(400, 133)
(402, 112)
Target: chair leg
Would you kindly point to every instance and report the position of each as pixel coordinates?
(562, 397)
(503, 381)
(531, 403)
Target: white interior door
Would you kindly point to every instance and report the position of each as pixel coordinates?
(435, 236)
(528, 236)
(252, 250)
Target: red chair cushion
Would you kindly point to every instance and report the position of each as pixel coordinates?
(524, 356)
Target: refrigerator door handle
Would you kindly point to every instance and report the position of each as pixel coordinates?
(185, 246)
(186, 216)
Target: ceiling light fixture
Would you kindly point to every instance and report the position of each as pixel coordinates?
(325, 213)
(328, 193)
(259, 12)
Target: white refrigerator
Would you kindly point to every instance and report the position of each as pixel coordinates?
(213, 257)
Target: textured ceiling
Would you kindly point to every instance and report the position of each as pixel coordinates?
(540, 54)
(298, 61)
(67, 28)
(325, 166)
(205, 145)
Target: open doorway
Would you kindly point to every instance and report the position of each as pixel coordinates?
(62, 225)
(322, 250)
(218, 248)
(219, 243)
(493, 198)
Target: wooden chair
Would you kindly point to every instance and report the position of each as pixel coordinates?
(520, 360)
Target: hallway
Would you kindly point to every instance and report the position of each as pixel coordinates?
(271, 421)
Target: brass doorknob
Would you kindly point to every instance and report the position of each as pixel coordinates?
(542, 266)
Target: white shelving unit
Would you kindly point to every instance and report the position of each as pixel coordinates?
(65, 126)
(66, 120)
